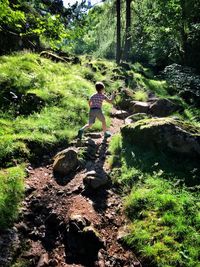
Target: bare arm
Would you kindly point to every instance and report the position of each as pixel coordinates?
(111, 99)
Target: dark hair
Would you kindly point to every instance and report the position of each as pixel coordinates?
(99, 86)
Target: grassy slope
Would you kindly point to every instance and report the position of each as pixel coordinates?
(30, 129)
(165, 217)
(165, 214)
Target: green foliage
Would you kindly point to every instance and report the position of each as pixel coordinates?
(164, 214)
(10, 17)
(157, 86)
(11, 193)
(30, 24)
(98, 36)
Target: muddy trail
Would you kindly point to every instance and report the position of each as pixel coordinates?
(65, 223)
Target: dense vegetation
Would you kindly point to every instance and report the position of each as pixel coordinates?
(44, 103)
(162, 32)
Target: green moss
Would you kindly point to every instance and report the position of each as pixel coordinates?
(161, 226)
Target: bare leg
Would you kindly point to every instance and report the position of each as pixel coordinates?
(104, 127)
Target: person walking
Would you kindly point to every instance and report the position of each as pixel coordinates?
(95, 104)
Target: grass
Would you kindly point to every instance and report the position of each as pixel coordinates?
(163, 228)
(159, 87)
(164, 214)
(140, 95)
(63, 91)
(11, 193)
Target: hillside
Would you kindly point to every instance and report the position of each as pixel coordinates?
(139, 206)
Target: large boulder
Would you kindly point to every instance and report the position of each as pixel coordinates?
(65, 161)
(163, 108)
(164, 134)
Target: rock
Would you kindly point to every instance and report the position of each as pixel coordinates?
(136, 117)
(44, 260)
(164, 134)
(139, 107)
(78, 222)
(122, 233)
(120, 114)
(29, 189)
(82, 240)
(9, 246)
(91, 173)
(89, 165)
(53, 219)
(91, 233)
(163, 108)
(126, 96)
(95, 182)
(65, 161)
(22, 227)
(52, 56)
(60, 192)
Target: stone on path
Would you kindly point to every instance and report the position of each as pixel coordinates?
(82, 239)
(66, 161)
(95, 182)
(122, 233)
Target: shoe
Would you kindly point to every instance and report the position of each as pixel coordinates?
(107, 134)
(80, 134)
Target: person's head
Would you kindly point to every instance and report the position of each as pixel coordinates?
(99, 87)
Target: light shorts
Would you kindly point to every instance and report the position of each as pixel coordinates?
(96, 113)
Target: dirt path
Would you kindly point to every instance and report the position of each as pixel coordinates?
(46, 233)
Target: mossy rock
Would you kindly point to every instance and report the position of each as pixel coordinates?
(137, 116)
(164, 134)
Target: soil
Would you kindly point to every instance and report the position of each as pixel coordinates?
(41, 236)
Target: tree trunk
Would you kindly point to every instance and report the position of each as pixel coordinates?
(118, 47)
(127, 45)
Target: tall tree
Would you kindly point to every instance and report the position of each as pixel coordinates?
(127, 45)
(118, 47)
